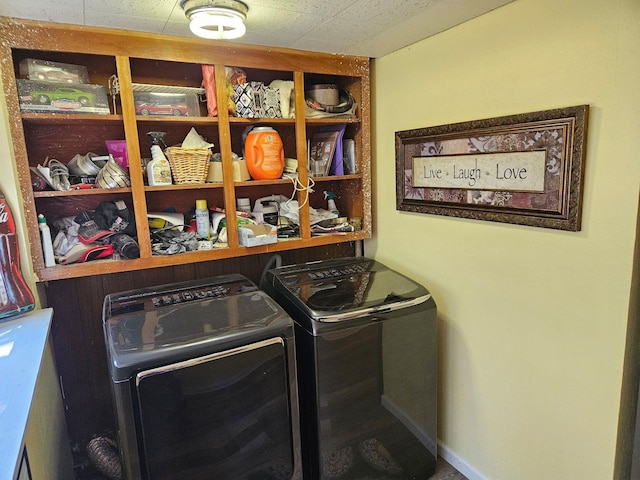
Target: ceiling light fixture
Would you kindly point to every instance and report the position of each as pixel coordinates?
(216, 19)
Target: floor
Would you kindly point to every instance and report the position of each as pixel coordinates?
(444, 471)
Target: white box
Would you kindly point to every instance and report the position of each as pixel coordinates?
(252, 235)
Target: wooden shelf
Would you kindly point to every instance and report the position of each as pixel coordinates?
(81, 192)
(68, 118)
(107, 266)
(168, 119)
(168, 188)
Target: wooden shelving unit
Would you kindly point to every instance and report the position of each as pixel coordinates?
(172, 61)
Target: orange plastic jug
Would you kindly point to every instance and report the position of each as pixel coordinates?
(264, 153)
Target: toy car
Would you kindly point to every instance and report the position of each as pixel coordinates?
(161, 109)
(56, 74)
(45, 97)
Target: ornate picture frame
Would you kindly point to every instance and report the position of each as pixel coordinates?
(525, 169)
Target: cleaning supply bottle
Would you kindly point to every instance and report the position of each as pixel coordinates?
(330, 197)
(47, 244)
(264, 153)
(15, 296)
(203, 224)
(158, 169)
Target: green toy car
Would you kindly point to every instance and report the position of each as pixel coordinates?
(45, 97)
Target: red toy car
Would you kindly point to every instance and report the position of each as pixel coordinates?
(160, 109)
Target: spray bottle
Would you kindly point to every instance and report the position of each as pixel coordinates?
(330, 197)
(158, 169)
(47, 244)
(203, 225)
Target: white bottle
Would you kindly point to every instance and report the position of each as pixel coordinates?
(47, 244)
(203, 224)
(158, 169)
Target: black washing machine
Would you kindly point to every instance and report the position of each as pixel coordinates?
(204, 383)
(366, 353)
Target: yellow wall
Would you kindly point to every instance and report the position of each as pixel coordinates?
(532, 321)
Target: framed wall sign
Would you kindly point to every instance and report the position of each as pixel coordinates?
(525, 169)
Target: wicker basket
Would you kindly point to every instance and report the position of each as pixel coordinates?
(188, 165)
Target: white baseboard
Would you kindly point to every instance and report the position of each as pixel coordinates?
(458, 463)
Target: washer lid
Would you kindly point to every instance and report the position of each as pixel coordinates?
(174, 321)
(337, 290)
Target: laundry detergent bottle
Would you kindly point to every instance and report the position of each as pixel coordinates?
(264, 153)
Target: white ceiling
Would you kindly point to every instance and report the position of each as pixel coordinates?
(370, 28)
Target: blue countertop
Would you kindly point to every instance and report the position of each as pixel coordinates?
(22, 344)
